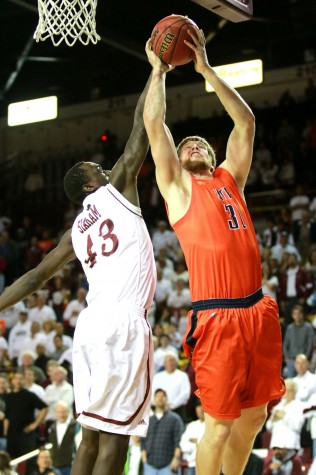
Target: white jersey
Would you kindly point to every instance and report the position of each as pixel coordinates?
(112, 242)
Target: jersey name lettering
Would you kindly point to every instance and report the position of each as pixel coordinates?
(85, 223)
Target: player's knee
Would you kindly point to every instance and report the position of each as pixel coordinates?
(257, 420)
(218, 436)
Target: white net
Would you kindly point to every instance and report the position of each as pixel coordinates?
(67, 20)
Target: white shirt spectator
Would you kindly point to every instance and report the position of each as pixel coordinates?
(58, 390)
(42, 314)
(288, 429)
(193, 431)
(311, 404)
(306, 385)
(50, 345)
(176, 384)
(74, 307)
(278, 250)
(298, 204)
(160, 353)
(18, 333)
(38, 390)
(30, 343)
(11, 315)
(160, 237)
(163, 288)
(179, 297)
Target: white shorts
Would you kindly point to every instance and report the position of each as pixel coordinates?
(112, 369)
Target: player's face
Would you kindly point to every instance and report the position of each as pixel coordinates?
(194, 157)
(96, 175)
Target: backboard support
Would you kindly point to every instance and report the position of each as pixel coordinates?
(233, 10)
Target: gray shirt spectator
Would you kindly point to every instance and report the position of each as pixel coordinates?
(161, 446)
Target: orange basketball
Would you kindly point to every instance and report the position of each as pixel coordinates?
(168, 39)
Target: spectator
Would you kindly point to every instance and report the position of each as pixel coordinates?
(11, 316)
(73, 308)
(295, 286)
(60, 331)
(4, 389)
(33, 254)
(310, 413)
(305, 380)
(306, 235)
(27, 361)
(298, 339)
(59, 297)
(60, 348)
(160, 236)
(191, 438)
(31, 341)
(18, 333)
(270, 282)
(179, 297)
(58, 390)
(162, 292)
(298, 204)
(161, 453)
(20, 424)
(180, 272)
(4, 351)
(49, 331)
(41, 312)
(62, 435)
(175, 383)
(287, 174)
(282, 461)
(30, 385)
(164, 348)
(269, 235)
(5, 467)
(44, 464)
(284, 247)
(41, 358)
(286, 419)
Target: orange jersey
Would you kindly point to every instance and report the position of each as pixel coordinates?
(219, 241)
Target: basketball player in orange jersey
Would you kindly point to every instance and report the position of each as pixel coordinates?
(112, 348)
(233, 336)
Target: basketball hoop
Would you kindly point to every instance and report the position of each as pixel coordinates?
(68, 20)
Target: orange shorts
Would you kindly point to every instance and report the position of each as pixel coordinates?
(237, 357)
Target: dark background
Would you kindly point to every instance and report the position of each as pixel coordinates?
(281, 33)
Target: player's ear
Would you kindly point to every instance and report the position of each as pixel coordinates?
(87, 187)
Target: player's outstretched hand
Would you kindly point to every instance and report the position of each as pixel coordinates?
(198, 47)
(154, 60)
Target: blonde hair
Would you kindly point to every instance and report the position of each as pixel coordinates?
(197, 138)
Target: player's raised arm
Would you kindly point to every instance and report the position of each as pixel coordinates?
(162, 145)
(35, 278)
(124, 173)
(240, 144)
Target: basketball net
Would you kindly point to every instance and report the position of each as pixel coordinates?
(68, 20)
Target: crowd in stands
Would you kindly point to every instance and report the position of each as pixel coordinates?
(36, 393)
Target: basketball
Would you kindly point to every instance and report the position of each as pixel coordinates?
(168, 39)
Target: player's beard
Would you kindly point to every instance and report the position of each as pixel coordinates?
(197, 165)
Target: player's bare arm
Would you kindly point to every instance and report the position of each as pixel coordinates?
(240, 143)
(124, 174)
(35, 278)
(169, 173)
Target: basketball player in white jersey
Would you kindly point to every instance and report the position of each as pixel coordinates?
(112, 351)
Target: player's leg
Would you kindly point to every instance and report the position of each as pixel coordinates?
(87, 453)
(112, 454)
(241, 439)
(211, 447)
